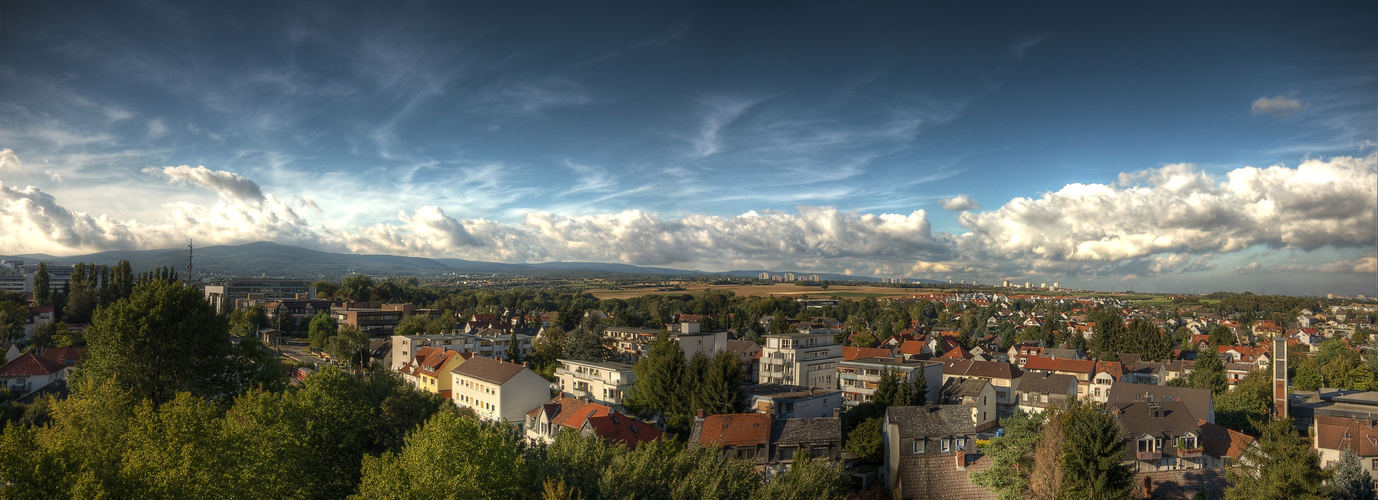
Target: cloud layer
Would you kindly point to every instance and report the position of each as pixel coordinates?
(1179, 208)
(1164, 221)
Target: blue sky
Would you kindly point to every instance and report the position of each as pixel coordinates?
(1173, 147)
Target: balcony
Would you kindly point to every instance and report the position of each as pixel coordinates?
(1189, 452)
(1148, 455)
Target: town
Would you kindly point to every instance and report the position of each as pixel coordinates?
(939, 392)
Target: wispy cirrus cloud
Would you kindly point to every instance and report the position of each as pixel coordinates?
(1277, 106)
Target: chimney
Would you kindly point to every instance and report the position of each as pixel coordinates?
(961, 460)
(837, 413)
(1148, 487)
(699, 416)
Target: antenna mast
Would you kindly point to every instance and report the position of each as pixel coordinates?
(190, 253)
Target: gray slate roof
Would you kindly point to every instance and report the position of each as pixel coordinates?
(808, 430)
(928, 421)
(1198, 401)
(1047, 383)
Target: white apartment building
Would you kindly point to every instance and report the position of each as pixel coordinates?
(497, 390)
(803, 359)
(604, 382)
(859, 378)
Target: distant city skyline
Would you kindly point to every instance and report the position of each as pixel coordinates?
(1173, 147)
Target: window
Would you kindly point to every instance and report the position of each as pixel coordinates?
(919, 447)
(961, 444)
(1375, 464)
(947, 445)
(787, 453)
(1026, 397)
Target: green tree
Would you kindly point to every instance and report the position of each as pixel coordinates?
(356, 287)
(1282, 465)
(12, 319)
(1011, 457)
(349, 346)
(865, 440)
(411, 325)
(1308, 376)
(1251, 401)
(1092, 454)
(1209, 373)
(586, 345)
(1221, 335)
(1349, 480)
(660, 384)
(807, 479)
(719, 388)
(887, 389)
(165, 339)
(322, 328)
(491, 465)
(42, 289)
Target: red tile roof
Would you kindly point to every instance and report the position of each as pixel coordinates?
(735, 429)
(620, 428)
(911, 347)
(958, 353)
(854, 353)
(28, 364)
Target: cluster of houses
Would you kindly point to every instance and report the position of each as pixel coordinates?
(799, 382)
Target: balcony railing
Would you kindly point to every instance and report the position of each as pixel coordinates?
(1190, 452)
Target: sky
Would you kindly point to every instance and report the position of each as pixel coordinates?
(1180, 147)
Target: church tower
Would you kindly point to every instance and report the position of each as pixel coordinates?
(1280, 377)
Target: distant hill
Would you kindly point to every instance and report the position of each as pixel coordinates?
(275, 260)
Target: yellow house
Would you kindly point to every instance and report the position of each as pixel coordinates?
(430, 369)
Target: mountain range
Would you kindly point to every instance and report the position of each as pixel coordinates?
(267, 259)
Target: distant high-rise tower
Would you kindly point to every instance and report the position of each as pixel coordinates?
(1280, 377)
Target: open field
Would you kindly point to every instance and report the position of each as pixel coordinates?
(778, 289)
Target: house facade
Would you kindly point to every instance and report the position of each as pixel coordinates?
(804, 359)
(497, 390)
(602, 381)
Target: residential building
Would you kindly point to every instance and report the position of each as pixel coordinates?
(1223, 447)
(927, 452)
(430, 369)
(487, 346)
(1162, 436)
(605, 382)
(562, 412)
(497, 390)
(805, 359)
(1340, 420)
(1037, 392)
(859, 378)
(1199, 402)
(977, 395)
(31, 371)
(768, 442)
(616, 427)
(792, 401)
(750, 355)
(744, 436)
(1000, 375)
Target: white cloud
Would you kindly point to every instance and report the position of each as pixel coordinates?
(227, 184)
(959, 203)
(1277, 106)
(9, 161)
(1180, 209)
